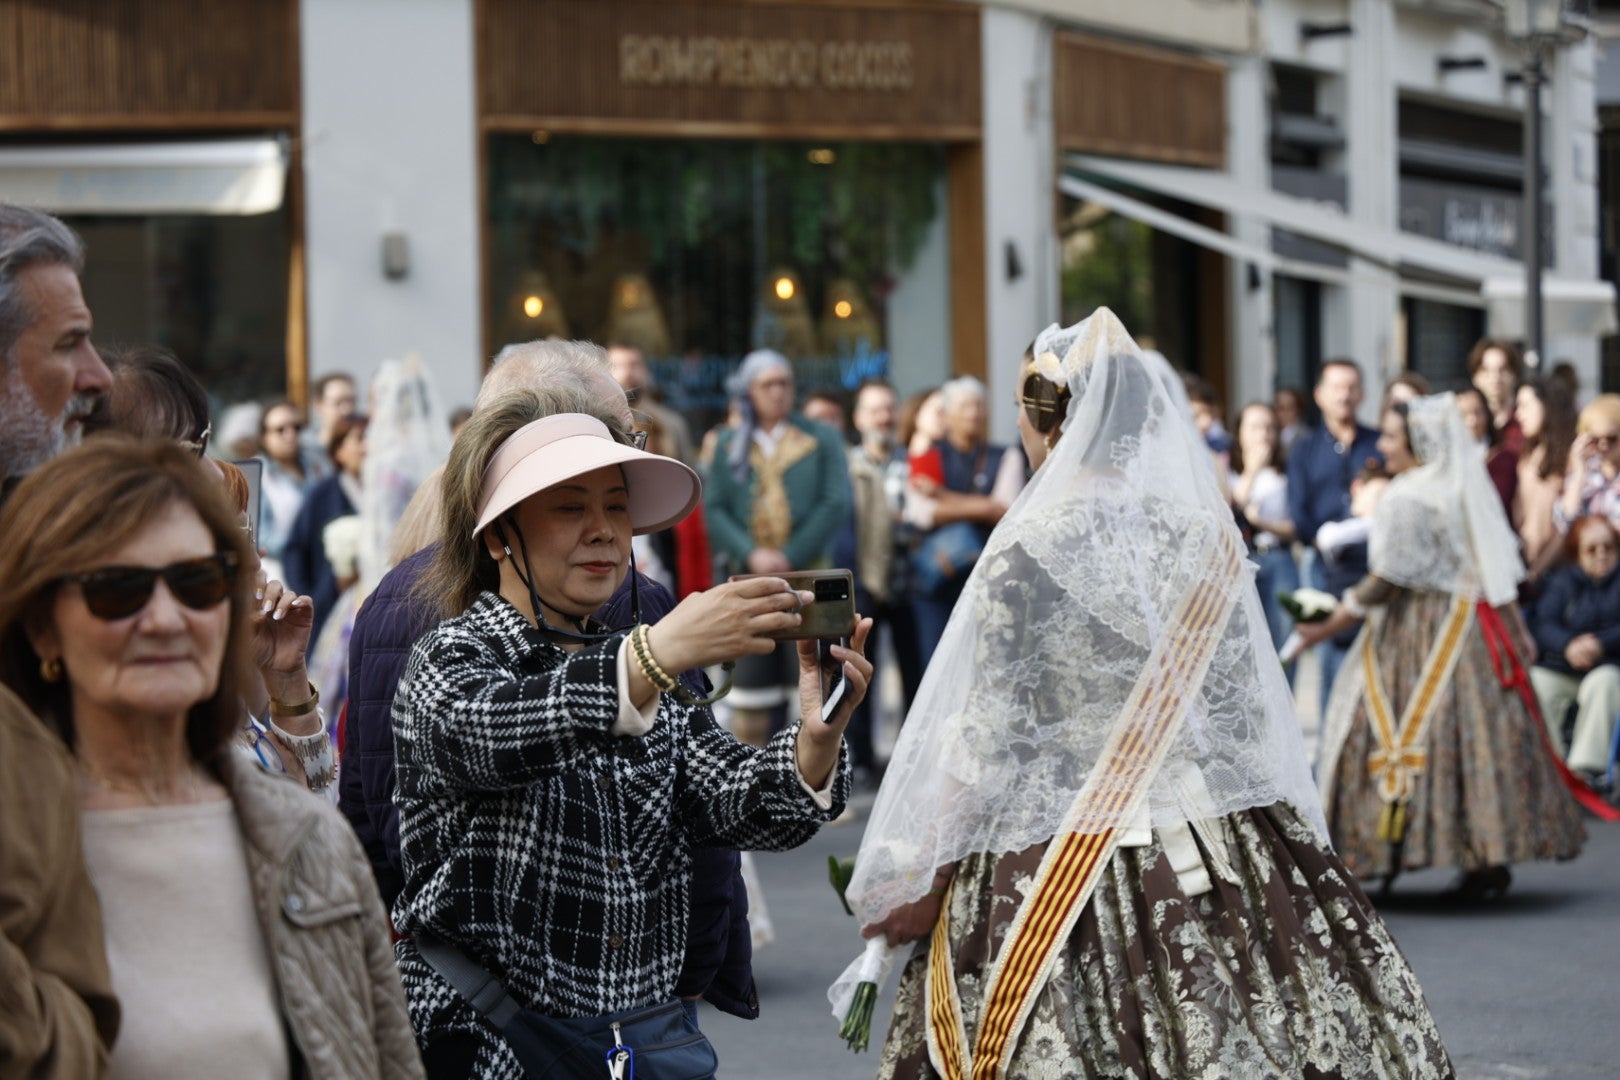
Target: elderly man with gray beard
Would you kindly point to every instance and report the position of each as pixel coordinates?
(50, 375)
(58, 1015)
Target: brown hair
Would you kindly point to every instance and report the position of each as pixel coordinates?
(1277, 459)
(1476, 356)
(153, 396)
(909, 411)
(1580, 527)
(1557, 433)
(462, 568)
(342, 427)
(236, 485)
(1412, 379)
(274, 404)
(66, 518)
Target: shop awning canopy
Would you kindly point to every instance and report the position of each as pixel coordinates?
(1429, 269)
(222, 176)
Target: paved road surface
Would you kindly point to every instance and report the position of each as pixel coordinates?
(1523, 990)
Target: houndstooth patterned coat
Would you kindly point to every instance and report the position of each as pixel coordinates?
(549, 851)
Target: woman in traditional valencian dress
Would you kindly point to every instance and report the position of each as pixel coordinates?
(1431, 754)
(1099, 819)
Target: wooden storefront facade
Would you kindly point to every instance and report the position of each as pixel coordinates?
(111, 71)
(855, 70)
(1138, 102)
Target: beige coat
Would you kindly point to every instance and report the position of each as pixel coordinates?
(326, 932)
(57, 1011)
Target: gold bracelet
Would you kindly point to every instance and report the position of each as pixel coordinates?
(663, 681)
(297, 708)
(649, 665)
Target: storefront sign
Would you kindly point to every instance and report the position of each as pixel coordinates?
(835, 68)
(772, 63)
(1477, 218)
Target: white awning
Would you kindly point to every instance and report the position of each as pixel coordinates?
(226, 176)
(1592, 300)
(1577, 308)
(1191, 231)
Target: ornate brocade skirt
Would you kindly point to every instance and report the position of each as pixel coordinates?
(1489, 793)
(1284, 973)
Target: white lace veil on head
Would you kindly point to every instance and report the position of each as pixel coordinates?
(407, 439)
(1078, 586)
(1440, 526)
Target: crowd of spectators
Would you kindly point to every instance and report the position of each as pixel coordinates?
(159, 619)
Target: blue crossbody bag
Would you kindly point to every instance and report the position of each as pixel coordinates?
(655, 1042)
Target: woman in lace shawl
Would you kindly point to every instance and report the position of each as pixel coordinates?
(1099, 819)
(1431, 755)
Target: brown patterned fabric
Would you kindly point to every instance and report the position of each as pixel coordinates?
(1283, 973)
(772, 522)
(1490, 792)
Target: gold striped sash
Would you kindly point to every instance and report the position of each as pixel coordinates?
(1402, 751)
(1073, 862)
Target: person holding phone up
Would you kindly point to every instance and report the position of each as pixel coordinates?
(1592, 480)
(553, 775)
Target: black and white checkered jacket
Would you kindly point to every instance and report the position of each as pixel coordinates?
(551, 852)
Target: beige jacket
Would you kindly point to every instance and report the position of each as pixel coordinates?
(326, 931)
(57, 1011)
(874, 524)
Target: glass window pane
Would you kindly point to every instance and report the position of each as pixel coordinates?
(698, 251)
(1147, 277)
(211, 288)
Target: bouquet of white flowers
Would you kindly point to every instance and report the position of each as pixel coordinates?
(1308, 605)
(854, 995)
(1303, 606)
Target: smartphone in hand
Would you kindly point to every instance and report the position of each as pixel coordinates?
(833, 683)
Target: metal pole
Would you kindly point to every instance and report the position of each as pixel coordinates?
(1532, 215)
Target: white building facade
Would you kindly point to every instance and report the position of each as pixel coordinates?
(1254, 187)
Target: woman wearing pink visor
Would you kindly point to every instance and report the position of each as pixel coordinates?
(554, 773)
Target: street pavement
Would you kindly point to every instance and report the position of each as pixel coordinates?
(1519, 988)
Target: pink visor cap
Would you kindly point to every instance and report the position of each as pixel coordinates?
(558, 448)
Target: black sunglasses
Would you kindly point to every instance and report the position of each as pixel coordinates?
(117, 592)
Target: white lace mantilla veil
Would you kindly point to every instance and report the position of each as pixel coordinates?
(407, 438)
(1440, 525)
(1077, 585)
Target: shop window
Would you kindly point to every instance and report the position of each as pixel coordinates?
(211, 288)
(1149, 278)
(1438, 339)
(698, 251)
(1297, 319)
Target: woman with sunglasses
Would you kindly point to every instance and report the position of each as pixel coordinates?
(553, 777)
(1592, 478)
(289, 473)
(243, 928)
(155, 396)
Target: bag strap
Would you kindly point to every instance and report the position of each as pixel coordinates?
(478, 987)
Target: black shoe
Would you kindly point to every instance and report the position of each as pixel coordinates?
(1481, 886)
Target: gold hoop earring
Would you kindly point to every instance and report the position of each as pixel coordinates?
(51, 670)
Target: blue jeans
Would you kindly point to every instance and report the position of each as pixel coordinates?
(1278, 574)
(1329, 654)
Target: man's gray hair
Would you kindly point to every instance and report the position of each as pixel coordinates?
(959, 388)
(29, 237)
(532, 365)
